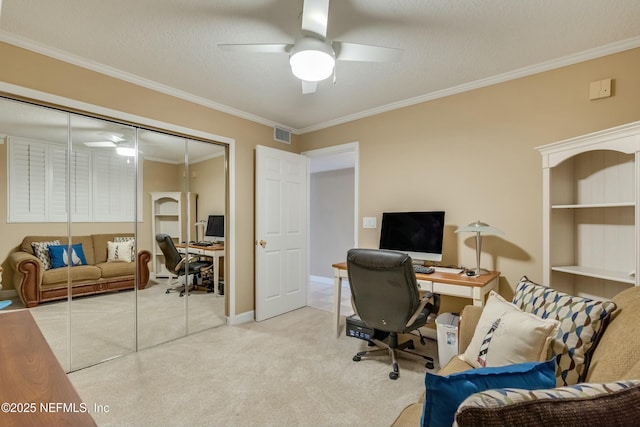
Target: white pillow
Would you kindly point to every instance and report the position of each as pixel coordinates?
(119, 251)
(518, 336)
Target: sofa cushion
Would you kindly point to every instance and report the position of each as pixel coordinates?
(506, 335)
(582, 321)
(80, 273)
(445, 393)
(60, 257)
(41, 250)
(585, 404)
(117, 269)
(616, 355)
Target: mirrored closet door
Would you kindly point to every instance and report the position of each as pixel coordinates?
(96, 193)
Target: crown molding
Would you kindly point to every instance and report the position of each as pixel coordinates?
(130, 78)
(586, 55)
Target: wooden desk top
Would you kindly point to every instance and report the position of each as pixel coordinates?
(35, 389)
(449, 278)
(214, 247)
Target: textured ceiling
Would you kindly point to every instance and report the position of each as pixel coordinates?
(171, 45)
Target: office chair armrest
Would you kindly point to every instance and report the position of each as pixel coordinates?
(423, 303)
(188, 258)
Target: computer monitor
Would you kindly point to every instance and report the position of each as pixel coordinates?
(215, 229)
(418, 234)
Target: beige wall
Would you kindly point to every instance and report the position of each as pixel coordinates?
(34, 71)
(207, 179)
(473, 155)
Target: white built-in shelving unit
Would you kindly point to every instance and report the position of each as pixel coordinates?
(170, 212)
(591, 193)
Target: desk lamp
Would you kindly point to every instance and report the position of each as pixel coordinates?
(479, 228)
(200, 226)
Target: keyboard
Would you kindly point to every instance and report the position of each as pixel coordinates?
(422, 269)
(203, 244)
(448, 270)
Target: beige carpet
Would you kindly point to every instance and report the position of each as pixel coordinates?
(104, 326)
(285, 371)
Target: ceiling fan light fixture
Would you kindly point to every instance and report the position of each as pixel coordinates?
(312, 60)
(126, 151)
(100, 144)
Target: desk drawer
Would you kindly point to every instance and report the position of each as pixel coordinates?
(425, 285)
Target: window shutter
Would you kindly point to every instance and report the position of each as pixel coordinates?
(80, 185)
(27, 180)
(58, 188)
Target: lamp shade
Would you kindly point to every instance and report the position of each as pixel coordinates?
(312, 60)
(480, 227)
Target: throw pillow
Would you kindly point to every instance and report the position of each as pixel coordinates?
(128, 239)
(582, 322)
(587, 404)
(506, 335)
(60, 257)
(119, 251)
(445, 393)
(41, 250)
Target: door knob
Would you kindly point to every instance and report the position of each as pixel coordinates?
(263, 243)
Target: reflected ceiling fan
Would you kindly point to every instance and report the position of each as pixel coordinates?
(312, 57)
(111, 140)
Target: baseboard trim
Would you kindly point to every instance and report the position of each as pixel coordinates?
(8, 294)
(246, 317)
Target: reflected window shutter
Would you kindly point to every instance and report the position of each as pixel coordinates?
(80, 185)
(58, 187)
(107, 196)
(27, 195)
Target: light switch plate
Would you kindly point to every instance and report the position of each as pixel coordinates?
(369, 222)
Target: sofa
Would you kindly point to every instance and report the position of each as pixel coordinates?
(611, 367)
(97, 266)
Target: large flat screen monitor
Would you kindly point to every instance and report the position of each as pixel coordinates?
(418, 234)
(215, 229)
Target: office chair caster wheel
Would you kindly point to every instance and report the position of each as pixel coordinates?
(167, 291)
(429, 365)
(394, 375)
(357, 358)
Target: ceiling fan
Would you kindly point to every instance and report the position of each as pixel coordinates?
(312, 57)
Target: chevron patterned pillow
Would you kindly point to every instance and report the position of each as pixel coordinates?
(582, 321)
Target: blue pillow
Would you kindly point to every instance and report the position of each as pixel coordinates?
(446, 393)
(59, 258)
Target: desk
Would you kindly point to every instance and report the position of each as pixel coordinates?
(33, 380)
(215, 251)
(456, 285)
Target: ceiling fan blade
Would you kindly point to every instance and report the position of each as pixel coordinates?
(315, 15)
(259, 47)
(308, 87)
(346, 51)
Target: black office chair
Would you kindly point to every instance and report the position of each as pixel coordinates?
(385, 296)
(181, 265)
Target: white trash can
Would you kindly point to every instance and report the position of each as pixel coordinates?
(447, 329)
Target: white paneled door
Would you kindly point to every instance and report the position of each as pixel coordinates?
(281, 232)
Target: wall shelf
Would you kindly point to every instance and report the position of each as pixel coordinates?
(591, 237)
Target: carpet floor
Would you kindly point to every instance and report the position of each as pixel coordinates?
(290, 370)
